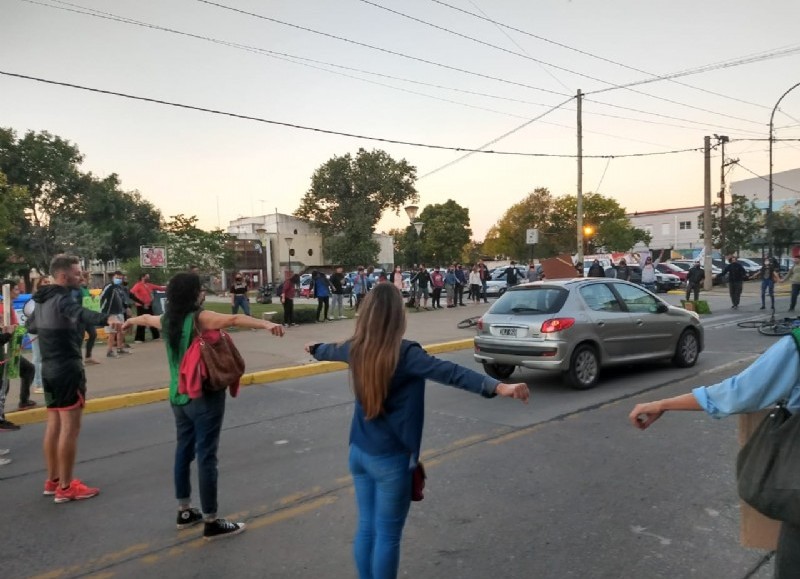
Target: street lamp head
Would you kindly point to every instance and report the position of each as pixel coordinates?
(418, 226)
(288, 240)
(411, 211)
(588, 230)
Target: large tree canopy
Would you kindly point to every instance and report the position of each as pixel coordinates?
(507, 236)
(347, 197)
(188, 245)
(743, 222)
(445, 233)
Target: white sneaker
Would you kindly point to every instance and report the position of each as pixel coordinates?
(4, 461)
(331, 318)
(4, 451)
(38, 390)
(342, 317)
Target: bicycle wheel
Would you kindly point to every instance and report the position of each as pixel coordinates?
(776, 329)
(753, 323)
(468, 323)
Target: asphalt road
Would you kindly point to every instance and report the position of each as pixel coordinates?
(562, 487)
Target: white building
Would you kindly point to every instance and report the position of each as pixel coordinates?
(679, 228)
(292, 243)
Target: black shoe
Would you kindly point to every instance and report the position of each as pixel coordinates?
(763, 307)
(189, 517)
(8, 425)
(221, 528)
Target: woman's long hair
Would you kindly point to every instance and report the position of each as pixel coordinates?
(375, 346)
(183, 298)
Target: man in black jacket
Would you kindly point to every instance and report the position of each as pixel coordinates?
(736, 276)
(58, 320)
(694, 278)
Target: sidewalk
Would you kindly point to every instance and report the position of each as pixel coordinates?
(146, 369)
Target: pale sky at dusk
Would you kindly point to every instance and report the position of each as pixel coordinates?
(221, 168)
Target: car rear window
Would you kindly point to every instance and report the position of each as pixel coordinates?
(530, 301)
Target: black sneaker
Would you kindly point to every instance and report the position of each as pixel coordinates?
(8, 425)
(221, 528)
(189, 517)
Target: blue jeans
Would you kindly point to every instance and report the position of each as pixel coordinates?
(240, 301)
(767, 285)
(383, 496)
(795, 292)
(198, 425)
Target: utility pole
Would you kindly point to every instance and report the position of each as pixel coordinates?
(707, 282)
(772, 140)
(721, 140)
(579, 219)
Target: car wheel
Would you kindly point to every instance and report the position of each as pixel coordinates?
(584, 368)
(499, 371)
(687, 350)
(501, 291)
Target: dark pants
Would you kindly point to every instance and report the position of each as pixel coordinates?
(459, 295)
(735, 289)
(436, 297)
(140, 311)
(694, 287)
(767, 287)
(323, 302)
(92, 331)
(360, 298)
(787, 557)
(198, 425)
(483, 287)
(795, 292)
(26, 372)
(288, 311)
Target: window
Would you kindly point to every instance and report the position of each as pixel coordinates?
(685, 225)
(530, 301)
(600, 298)
(636, 299)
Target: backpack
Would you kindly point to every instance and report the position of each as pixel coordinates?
(279, 290)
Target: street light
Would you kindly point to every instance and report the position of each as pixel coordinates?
(771, 139)
(588, 231)
(412, 211)
(288, 241)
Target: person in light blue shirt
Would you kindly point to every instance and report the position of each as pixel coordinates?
(774, 377)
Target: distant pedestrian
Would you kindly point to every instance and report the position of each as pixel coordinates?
(142, 298)
(596, 270)
(437, 282)
(475, 284)
(58, 320)
(239, 299)
(461, 284)
(321, 289)
(112, 303)
(736, 276)
(287, 298)
(422, 282)
(512, 274)
(484, 279)
(337, 292)
(388, 376)
(769, 275)
(450, 282)
(794, 277)
(532, 275)
(396, 278)
(623, 271)
(91, 331)
(649, 274)
(361, 286)
(694, 278)
(198, 412)
(27, 370)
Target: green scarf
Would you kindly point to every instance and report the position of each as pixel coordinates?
(174, 361)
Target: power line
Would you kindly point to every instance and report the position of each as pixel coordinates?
(767, 179)
(339, 133)
(304, 61)
(613, 86)
(604, 59)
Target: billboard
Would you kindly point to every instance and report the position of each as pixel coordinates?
(152, 256)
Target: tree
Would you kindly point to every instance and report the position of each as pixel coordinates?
(445, 232)
(743, 222)
(507, 236)
(785, 228)
(189, 245)
(13, 200)
(347, 197)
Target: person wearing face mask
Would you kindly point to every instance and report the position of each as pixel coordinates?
(112, 304)
(239, 297)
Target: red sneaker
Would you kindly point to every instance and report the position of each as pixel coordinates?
(50, 487)
(77, 491)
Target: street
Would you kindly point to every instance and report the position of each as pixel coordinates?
(562, 487)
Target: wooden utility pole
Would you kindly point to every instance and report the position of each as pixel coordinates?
(707, 283)
(579, 219)
(722, 139)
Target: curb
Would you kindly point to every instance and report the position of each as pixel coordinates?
(118, 401)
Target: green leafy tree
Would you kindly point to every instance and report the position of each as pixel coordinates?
(189, 245)
(743, 222)
(785, 228)
(13, 200)
(472, 251)
(507, 236)
(347, 197)
(445, 232)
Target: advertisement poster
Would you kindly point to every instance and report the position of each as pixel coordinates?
(152, 256)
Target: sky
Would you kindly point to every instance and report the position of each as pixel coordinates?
(470, 92)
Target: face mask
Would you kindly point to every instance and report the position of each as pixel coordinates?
(117, 281)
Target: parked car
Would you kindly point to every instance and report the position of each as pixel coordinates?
(496, 285)
(664, 281)
(579, 326)
(716, 272)
(751, 267)
(668, 267)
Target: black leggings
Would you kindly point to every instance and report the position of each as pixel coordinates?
(288, 311)
(787, 557)
(437, 297)
(92, 331)
(323, 301)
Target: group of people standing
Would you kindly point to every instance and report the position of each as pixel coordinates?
(453, 282)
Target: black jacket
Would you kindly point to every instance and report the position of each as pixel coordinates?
(735, 271)
(695, 275)
(596, 270)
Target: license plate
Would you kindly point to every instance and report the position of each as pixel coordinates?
(508, 332)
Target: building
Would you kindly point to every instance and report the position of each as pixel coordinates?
(679, 228)
(287, 242)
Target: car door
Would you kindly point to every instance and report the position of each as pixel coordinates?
(611, 324)
(652, 328)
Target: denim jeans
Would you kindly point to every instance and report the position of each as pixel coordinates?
(383, 496)
(240, 301)
(795, 292)
(336, 304)
(768, 286)
(198, 425)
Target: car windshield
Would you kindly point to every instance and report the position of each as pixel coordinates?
(530, 300)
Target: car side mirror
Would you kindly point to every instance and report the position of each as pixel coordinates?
(661, 308)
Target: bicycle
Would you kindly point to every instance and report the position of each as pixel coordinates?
(782, 327)
(468, 323)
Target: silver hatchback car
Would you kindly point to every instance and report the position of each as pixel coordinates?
(576, 326)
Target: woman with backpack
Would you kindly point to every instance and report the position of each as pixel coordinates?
(198, 420)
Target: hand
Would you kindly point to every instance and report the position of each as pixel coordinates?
(275, 329)
(643, 415)
(127, 325)
(9, 329)
(309, 345)
(519, 391)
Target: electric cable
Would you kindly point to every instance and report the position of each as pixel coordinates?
(774, 184)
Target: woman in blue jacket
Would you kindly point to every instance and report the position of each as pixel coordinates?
(388, 377)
